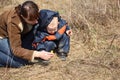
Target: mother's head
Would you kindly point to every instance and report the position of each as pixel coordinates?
(29, 11)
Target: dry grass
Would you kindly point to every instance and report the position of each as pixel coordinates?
(95, 44)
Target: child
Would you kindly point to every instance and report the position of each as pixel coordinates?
(52, 34)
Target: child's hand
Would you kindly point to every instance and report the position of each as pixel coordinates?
(69, 32)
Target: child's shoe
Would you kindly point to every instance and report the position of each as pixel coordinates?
(62, 56)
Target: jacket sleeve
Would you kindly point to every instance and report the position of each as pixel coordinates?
(67, 27)
(39, 36)
(60, 32)
(14, 36)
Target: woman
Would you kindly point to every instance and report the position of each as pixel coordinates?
(14, 26)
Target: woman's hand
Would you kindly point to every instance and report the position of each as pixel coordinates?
(43, 55)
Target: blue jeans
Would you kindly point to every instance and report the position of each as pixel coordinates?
(6, 56)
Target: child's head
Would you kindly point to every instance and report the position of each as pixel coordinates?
(52, 27)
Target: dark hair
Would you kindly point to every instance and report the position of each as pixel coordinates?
(28, 10)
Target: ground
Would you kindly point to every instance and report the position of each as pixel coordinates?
(95, 43)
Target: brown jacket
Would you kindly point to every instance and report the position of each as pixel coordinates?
(11, 26)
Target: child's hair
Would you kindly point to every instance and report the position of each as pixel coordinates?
(28, 10)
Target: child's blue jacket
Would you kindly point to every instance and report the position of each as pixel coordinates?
(41, 33)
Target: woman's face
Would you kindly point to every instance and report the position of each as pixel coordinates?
(30, 22)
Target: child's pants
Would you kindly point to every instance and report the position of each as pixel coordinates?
(61, 46)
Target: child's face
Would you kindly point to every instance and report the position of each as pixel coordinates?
(52, 27)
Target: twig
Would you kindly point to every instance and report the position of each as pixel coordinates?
(112, 41)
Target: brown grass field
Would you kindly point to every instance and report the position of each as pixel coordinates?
(95, 43)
